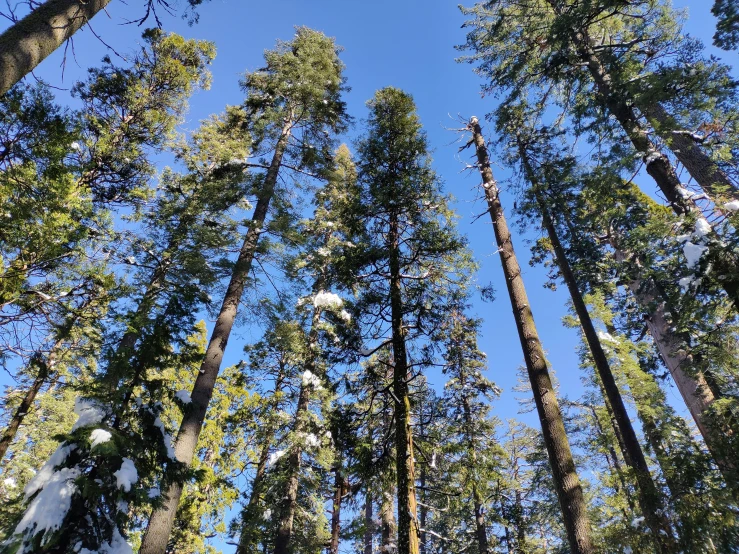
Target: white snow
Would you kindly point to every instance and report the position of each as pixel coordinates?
(154, 492)
(89, 412)
(627, 550)
(327, 300)
(122, 506)
(602, 335)
(653, 156)
(693, 253)
(346, 316)
(183, 396)
(126, 475)
(9, 483)
(117, 545)
(732, 206)
(166, 437)
(685, 283)
(636, 522)
(75, 146)
(45, 474)
(702, 227)
(267, 515)
(47, 511)
(274, 457)
(99, 436)
(312, 440)
(311, 379)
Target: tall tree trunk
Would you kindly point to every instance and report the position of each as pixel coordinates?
(477, 501)
(388, 525)
(369, 524)
(160, 524)
(714, 182)
(28, 42)
(405, 468)
(422, 513)
(248, 540)
(339, 491)
(564, 473)
(650, 499)
(44, 370)
(693, 386)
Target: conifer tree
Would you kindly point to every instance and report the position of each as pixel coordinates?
(295, 98)
(564, 473)
(412, 260)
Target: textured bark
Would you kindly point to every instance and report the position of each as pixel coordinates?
(157, 533)
(693, 387)
(480, 531)
(713, 181)
(650, 499)
(340, 489)
(369, 524)
(564, 473)
(388, 526)
(405, 468)
(28, 42)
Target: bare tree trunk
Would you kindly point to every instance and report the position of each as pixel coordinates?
(28, 42)
(405, 468)
(157, 533)
(650, 499)
(714, 182)
(564, 473)
(480, 531)
(339, 490)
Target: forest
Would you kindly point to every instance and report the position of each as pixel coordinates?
(262, 331)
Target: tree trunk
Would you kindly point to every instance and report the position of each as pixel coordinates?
(388, 526)
(564, 473)
(405, 468)
(480, 531)
(339, 488)
(713, 181)
(248, 540)
(28, 42)
(157, 533)
(694, 389)
(45, 368)
(369, 525)
(650, 500)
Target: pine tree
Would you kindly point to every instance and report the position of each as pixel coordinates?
(296, 97)
(411, 259)
(569, 490)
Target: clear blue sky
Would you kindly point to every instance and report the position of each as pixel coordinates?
(407, 44)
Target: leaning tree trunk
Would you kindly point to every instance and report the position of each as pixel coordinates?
(404, 463)
(29, 41)
(650, 499)
(564, 473)
(160, 524)
(695, 390)
(714, 182)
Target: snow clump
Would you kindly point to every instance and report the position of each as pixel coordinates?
(126, 475)
(99, 436)
(327, 300)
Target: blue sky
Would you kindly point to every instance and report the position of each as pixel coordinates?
(407, 44)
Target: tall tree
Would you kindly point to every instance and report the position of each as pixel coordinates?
(569, 490)
(296, 97)
(412, 259)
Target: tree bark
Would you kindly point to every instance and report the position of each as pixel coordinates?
(388, 525)
(710, 177)
(650, 500)
(340, 489)
(693, 387)
(564, 473)
(405, 467)
(369, 525)
(28, 42)
(157, 533)
(479, 512)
